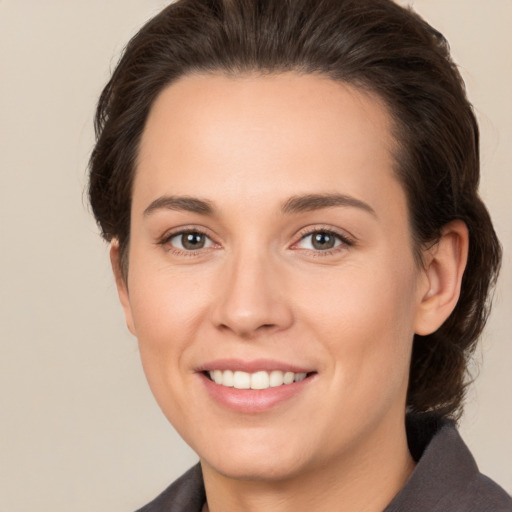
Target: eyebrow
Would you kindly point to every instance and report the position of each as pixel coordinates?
(185, 203)
(311, 202)
(296, 204)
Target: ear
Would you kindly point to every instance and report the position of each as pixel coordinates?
(121, 284)
(444, 267)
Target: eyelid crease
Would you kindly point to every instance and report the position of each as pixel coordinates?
(180, 230)
(347, 242)
(164, 241)
(345, 237)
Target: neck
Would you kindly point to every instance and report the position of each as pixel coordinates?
(364, 480)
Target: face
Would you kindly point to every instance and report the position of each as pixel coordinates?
(272, 285)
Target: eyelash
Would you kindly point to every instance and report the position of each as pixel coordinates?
(344, 239)
(165, 241)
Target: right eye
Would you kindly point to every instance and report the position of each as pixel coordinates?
(189, 241)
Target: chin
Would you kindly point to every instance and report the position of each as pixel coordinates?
(254, 457)
(273, 468)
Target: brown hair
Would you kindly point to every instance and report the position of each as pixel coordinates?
(372, 44)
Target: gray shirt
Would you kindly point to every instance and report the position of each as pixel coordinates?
(446, 478)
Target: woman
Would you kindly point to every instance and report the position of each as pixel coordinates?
(290, 192)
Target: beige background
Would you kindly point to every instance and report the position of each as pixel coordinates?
(78, 427)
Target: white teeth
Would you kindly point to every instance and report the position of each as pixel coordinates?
(228, 378)
(288, 377)
(242, 380)
(257, 380)
(260, 380)
(276, 378)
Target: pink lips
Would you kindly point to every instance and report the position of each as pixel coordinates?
(253, 400)
(252, 366)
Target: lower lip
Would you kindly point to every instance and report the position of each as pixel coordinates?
(253, 400)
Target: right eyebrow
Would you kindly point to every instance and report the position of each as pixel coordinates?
(184, 203)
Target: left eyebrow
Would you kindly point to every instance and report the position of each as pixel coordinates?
(311, 202)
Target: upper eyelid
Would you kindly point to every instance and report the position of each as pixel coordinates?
(171, 233)
(342, 234)
(165, 240)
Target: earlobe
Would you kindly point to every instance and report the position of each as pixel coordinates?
(444, 266)
(121, 284)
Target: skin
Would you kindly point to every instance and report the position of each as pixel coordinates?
(259, 289)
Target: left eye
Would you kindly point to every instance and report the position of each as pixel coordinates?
(320, 241)
(190, 241)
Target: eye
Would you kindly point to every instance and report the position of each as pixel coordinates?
(190, 241)
(321, 240)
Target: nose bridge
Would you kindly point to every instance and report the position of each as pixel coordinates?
(251, 297)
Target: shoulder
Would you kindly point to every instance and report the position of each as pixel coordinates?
(186, 494)
(488, 496)
(446, 477)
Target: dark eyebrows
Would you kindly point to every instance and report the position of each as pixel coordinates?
(185, 203)
(310, 202)
(296, 204)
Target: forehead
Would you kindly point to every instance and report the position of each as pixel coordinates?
(216, 133)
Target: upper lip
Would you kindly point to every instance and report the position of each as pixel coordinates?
(252, 366)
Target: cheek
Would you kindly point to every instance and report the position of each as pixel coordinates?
(167, 311)
(165, 302)
(365, 320)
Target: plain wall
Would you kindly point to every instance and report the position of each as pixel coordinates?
(79, 429)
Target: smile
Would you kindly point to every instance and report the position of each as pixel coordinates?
(255, 386)
(257, 380)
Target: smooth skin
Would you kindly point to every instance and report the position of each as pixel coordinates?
(225, 159)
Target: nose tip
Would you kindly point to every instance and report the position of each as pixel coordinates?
(248, 324)
(251, 301)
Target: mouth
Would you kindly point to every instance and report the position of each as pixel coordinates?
(258, 380)
(255, 386)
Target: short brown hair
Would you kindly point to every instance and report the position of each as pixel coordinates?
(373, 44)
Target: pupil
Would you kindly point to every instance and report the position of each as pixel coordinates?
(323, 241)
(193, 241)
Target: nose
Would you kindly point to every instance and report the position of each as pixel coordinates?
(252, 299)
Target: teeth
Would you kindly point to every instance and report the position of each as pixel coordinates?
(260, 380)
(217, 376)
(276, 379)
(241, 380)
(228, 378)
(257, 380)
(288, 377)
